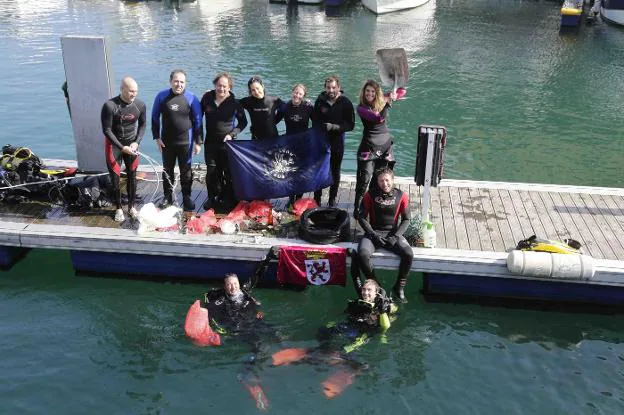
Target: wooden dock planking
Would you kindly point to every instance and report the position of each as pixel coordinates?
(606, 217)
(517, 232)
(504, 227)
(482, 219)
(472, 227)
(458, 217)
(551, 221)
(577, 230)
(436, 214)
(598, 225)
(448, 219)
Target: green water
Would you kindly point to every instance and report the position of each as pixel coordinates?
(521, 102)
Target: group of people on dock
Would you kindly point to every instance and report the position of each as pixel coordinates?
(178, 119)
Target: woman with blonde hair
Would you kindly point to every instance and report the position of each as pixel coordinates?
(375, 150)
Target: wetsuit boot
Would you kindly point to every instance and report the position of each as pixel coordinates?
(398, 290)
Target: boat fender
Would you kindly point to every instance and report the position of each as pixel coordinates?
(550, 265)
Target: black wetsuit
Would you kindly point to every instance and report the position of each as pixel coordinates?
(296, 117)
(227, 118)
(181, 128)
(375, 150)
(388, 217)
(122, 125)
(263, 115)
(336, 119)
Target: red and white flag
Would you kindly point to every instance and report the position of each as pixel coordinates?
(303, 265)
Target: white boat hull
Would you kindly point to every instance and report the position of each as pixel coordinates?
(613, 15)
(388, 6)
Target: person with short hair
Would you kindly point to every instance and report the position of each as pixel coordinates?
(225, 119)
(234, 313)
(384, 217)
(123, 123)
(333, 113)
(262, 109)
(375, 150)
(179, 136)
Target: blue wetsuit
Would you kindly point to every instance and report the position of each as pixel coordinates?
(181, 127)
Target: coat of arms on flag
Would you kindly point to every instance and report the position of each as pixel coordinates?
(303, 265)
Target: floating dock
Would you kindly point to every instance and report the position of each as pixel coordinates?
(477, 222)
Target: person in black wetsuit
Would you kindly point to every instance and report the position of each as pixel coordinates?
(179, 136)
(375, 150)
(333, 113)
(368, 315)
(225, 119)
(123, 124)
(384, 216)
(235, 314)
(262, 110)
(296, 114)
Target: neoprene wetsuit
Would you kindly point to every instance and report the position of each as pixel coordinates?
(384, 217)
(263, 115)
(227, 118)
(181, 128)
(375, 150)
(122, 125)
(296, 117)
(336, 118)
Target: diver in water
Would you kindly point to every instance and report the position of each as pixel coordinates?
(367, 316)
(235, 313)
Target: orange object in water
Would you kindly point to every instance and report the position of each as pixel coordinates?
(197, 328)
(337, 383)
(257, 393)
(288, 356)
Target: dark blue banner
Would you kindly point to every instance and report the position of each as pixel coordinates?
(281, 166)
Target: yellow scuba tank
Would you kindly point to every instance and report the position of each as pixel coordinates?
(568, 246)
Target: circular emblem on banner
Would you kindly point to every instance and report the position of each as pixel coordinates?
(281, 163)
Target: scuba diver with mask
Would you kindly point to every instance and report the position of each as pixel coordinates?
(367, 316)
(233, 313)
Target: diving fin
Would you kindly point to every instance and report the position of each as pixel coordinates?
(288, 356)
(337, 383)
(258, 395)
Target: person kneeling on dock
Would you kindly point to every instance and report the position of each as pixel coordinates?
(387, 210)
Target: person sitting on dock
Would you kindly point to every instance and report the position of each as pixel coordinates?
(234, 312)
(387, 210)
(333, 113)
(180, 135)
(123, 123)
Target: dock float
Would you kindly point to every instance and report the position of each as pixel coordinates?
(477, 222)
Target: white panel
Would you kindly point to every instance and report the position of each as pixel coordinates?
(89, 84)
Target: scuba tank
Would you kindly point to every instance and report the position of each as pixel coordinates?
(568, 246)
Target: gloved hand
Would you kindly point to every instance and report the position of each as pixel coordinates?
(331, 127)
(377, 239)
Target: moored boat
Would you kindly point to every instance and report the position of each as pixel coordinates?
(613, 11)
(571, 12)
(388, 6)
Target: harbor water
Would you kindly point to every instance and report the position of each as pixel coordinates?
(521, 100)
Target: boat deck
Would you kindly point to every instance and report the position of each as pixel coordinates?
(476, 222)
